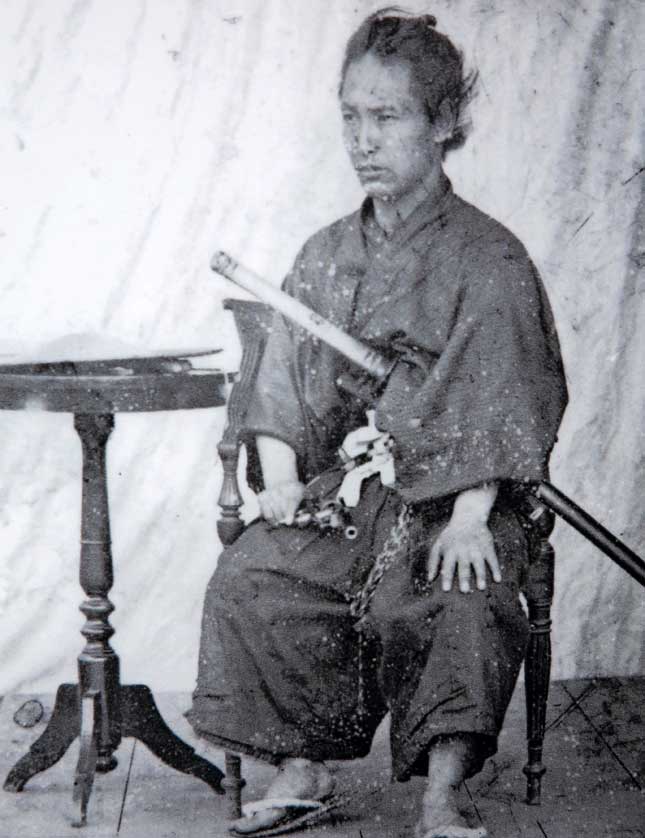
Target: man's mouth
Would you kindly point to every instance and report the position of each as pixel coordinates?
(370, 170)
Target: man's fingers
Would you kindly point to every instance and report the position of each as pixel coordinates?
(280, 504)
(271, 507)
(279, 507)
(291, 502)
(491, 559)
(272, 512)
(479, 563)
(467, 550)
(288, 511)
(266, 508)
(463, 571)
(435, 560)
(448, 570)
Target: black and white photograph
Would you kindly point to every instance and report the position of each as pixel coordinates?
(322, 418)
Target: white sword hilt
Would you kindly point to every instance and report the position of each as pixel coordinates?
(309, 320)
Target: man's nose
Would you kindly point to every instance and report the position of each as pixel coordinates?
(367, 137)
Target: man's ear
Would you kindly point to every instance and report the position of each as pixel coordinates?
(444, 123)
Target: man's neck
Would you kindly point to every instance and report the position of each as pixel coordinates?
(389, 213)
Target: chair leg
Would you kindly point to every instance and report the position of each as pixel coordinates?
(233, 784)
(538, 667)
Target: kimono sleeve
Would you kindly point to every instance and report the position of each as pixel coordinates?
(490, 406)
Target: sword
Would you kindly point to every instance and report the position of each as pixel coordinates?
(380, 367)
(364, 356)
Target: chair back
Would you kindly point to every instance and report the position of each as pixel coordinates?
(253, 321)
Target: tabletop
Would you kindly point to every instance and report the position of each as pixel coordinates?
(117, 385)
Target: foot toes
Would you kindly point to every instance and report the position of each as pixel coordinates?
(260, 820)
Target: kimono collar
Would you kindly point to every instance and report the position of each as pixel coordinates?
(426, 212)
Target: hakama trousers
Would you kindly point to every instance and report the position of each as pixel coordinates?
(282, 667)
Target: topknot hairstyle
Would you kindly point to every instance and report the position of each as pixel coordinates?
(393, 34)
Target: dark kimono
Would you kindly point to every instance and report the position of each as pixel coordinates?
(476, 395)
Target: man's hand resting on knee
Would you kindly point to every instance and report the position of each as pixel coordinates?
(466, 543)
(283, 494)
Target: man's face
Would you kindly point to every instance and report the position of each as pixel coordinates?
(386, 128)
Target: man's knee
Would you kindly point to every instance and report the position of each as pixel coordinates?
(422, 618)
(231, 577)
(481, 612)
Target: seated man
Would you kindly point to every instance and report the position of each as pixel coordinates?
(473, 404)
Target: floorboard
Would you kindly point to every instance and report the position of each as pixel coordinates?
(587, 792)
(594, 751)
(44, 808)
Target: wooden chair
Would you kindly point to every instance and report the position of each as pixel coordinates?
(253, 320)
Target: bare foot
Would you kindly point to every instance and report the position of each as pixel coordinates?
(440, 815)
(442, 819)
(295, 778)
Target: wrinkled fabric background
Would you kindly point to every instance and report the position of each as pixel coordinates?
(137, 137)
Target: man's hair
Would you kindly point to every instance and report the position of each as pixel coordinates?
(437, 67)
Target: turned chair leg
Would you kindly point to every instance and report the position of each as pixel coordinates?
(538, 666)
(233, 784)
(253, 321)
(229, 527)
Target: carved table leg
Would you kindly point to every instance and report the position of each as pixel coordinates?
(142, 720)
(87, 757)
(98, 664)
(100, 708)
(52, 744)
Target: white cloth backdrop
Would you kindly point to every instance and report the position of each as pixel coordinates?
(137, 136)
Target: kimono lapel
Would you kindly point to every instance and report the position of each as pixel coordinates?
(341, 270)
(396, 264)
(351, 264)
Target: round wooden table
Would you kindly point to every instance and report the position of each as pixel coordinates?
(99, 708)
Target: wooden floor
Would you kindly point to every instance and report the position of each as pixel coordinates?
(594, 787)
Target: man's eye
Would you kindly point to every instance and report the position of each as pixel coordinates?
(386, 117)
(348, 117)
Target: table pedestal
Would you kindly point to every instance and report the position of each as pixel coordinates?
(99, 709)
